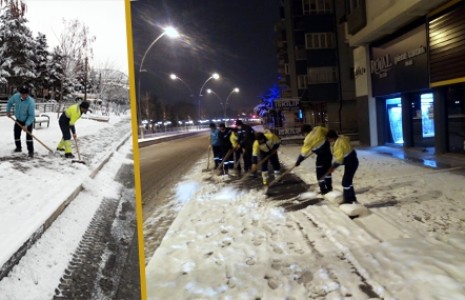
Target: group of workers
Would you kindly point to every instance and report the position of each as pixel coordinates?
(242, 145)
(24, 116)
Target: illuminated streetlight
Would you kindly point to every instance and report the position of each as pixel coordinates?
(225, 103)
(215, 76)
(175, 77)
(234, 90)
(170, 32)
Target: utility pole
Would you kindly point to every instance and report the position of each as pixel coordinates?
(85, 79)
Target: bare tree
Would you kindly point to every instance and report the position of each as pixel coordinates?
(17, 7)
(75, 46)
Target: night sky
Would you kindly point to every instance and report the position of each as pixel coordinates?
(233, 38)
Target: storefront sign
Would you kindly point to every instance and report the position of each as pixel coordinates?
(281, 103)
(400, 65)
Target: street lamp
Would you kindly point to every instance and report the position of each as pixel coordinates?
(175, 77)
(215, 76)
(170, 32)
(234, 90)
(209, 91)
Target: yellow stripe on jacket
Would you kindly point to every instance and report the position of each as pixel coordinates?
(314, 139)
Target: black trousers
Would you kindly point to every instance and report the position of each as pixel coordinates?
(274, 160)
(323, 163)
(17, 133)
(247, 158)
(350, 167)
(217, 155)
(64, 127)
(227, 154)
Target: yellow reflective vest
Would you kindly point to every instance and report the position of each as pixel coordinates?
(73, 113)
(314, 139)
(271, 141)
(341, 148)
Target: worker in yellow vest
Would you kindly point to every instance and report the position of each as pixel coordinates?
(67, 123)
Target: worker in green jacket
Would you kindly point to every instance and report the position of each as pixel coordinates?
(67, 123)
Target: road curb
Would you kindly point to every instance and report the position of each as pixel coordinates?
(16, 257)
(168, 138)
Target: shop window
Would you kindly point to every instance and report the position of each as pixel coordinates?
(394, 112)
(456, 119)
(427, 115)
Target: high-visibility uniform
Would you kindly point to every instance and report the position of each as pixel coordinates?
(67, 123)
(344, 154)
(315, 141)
(265, 149)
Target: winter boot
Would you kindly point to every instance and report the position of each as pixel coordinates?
(69, 155)
(265, 177)
(18, 145)
(31, 154)
(277, 173)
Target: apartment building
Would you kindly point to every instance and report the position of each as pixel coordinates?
(316, 64)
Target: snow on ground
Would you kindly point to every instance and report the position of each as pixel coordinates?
(32, 189)
(228, 243)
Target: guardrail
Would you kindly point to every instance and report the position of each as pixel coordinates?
(40, 107)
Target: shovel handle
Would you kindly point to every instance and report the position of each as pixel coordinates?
(28, 132)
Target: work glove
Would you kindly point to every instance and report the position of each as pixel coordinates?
(275, 147)
(300, 159)
(74, 136)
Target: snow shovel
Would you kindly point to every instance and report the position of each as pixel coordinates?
(208, 159)
(261, 162)
(79, 155)
(277, 179)
(226, 157)
(28, 132)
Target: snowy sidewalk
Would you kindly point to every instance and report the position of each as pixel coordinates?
(35, 192)
(231, 243)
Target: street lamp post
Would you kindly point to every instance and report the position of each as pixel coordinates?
(234, 90)
(215, 76)
(175, 77)
(210, 91)
(170, 32)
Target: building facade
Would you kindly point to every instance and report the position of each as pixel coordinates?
(409, 72)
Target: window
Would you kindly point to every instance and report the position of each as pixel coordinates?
(322, 75)
(300, 53)
(319, 40)
(317, 7)
(302, 81)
